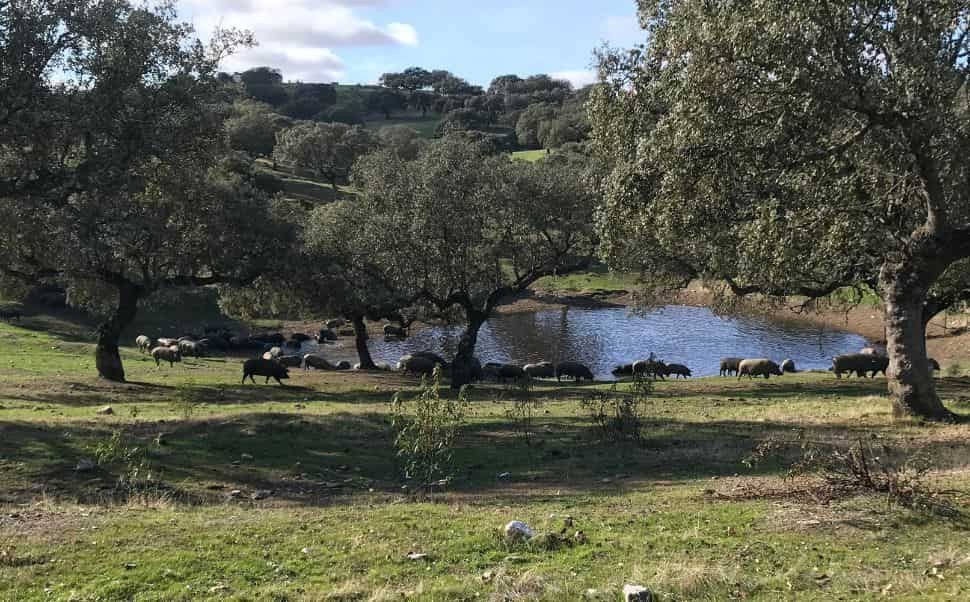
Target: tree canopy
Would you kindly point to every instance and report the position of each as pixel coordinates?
(795, 148)
(327, 149)
(114, 180)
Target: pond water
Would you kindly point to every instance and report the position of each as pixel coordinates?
(604, 337)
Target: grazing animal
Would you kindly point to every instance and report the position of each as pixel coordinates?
(730, 365)
(193, 348)
(342, 365)
(166, 354)
(869, 351)
(788, 366)
(395, 331)
(326, 335)
(273, 353)
(143, 343)
(623, 370)
(540, 370)
(758, 367)
(650, 367)
(934, 365)
(860, 363)
(503, 372)
(291, 346)
(268, 368)
(678, 370)
(10, 314)
(300, 337)
(335, 323)
(573, 370)
(167, 342)
(316, 361)
(290, 361)
(415, 364)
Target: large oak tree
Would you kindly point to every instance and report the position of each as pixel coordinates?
(794, 147)
(469, 230)
(111, 133)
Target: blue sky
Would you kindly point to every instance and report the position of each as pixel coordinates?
(354, 41)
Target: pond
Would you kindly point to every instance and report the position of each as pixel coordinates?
(604, 337)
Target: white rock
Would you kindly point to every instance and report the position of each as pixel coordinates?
(636, 593)
(106, 410)
(518, 529)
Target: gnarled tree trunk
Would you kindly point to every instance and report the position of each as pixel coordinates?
(911, 384)
(360, 340)
(461, 368)
(106, 356)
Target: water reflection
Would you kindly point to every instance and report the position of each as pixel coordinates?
(602, 338)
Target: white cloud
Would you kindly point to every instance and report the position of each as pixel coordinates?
(297, 36)
(577, 77)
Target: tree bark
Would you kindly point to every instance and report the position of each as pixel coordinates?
(106, 356)
(461, 368)
(911, 385)
(360, 340)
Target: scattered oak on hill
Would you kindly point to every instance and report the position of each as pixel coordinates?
(795, 148)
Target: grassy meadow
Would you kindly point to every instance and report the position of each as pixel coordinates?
(262, 492)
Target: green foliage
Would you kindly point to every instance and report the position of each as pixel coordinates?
(184, 401)
(426, 431)
(253, 128)
(618, 417)
(327, 149)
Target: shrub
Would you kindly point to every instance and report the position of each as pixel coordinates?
(618, 417)
(426, 430)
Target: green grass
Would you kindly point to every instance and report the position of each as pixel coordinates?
(426, 126)
(596, 280)
(304, 188)
(681, 513)
(530, 155)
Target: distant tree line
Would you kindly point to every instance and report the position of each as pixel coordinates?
(513, 113)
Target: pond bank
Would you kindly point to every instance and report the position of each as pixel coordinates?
(948, 338)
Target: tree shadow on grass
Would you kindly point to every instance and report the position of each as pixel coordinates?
(320, 460)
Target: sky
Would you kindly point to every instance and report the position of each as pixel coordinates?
(355, 41)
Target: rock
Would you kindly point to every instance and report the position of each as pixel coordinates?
(487, 576)
(504, 475)
(130, 565)
(636, 593)
(106, 410)
(518, 530)
(261, 494)
(235, 494)
(85, 465)
(305, 550)
(416, 556)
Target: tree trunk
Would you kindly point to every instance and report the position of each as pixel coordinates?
(360, 340)
(461, 368)
(911, 384)
(106, 356)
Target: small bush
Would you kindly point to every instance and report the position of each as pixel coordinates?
(135, 477)
(523, 409)
(426, 430)
(618, 417)
(863, 467)
(184, 402)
